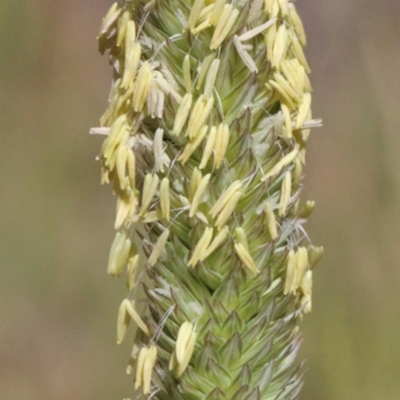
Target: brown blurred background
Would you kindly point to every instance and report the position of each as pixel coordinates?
(58, 307)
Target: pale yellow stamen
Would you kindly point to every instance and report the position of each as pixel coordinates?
(306, 288)
(143, 353)
(288, 121)
(268, 5)
(283, 95)
(224, 25)
(224, 198)
(184, 334)
(297, 173)
(206, 11)
(298, 52)
(242, 238)
(182, 114)
(295, 20)
(210, 144)
(122, 26)
(217, 11)
(201, 112)
(158, 248)
(122, 155)
(186, 73)
(130, 37)
(149, 189)
(308, 208)
(188, 355)
(284, 6)
(256, 31)
(246, 258)
(195, 116)
(131, 65)
(285, 193)
(201, 247)
(270, 38)
(204, 69)
(149, 364)
(193, 145)
(301, 266)
(228, 210)
(165, 199)
(194, 182)
(118, 131)
(314, 255)
(211, 77)
(195, 13)
(125, 314)
(198, 195)
(285, 161)
(110, 18)
(126, 206)
(303, 110)
(280, 46)
(288, 90)
(271, 221)
(275, 8)
(290, 283)
(119, 254)
(130, 308)
(142, 86)
(221, 144)
(218, 240)
(148, 218)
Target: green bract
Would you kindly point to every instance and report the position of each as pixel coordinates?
(206, 129)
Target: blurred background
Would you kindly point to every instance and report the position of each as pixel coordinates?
(58, 307)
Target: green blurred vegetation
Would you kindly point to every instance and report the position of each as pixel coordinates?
(58, 308)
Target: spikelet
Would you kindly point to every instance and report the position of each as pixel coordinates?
(207, 127)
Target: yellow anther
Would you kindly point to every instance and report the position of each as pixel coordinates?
(218, 240)
(131, 65)
(280, 46)
(193, 145)
(119, 254)
(221, 144)
(186, 73)
(225, 197)
(211, 77)
(164, 198)
(246, 258)
(204, 69)
(285, 193)
(158, 248)
(210, 145)
(224, 26)
(217, 11)
(227, 211)
(201, 247)
(182, 114)
(125, 314)
(149, 189)
(198, 195)
(199, 116)
(142, 86)
(304, 110)
(290, 283)
(271, 221)
(195, 13)
(285, 161)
